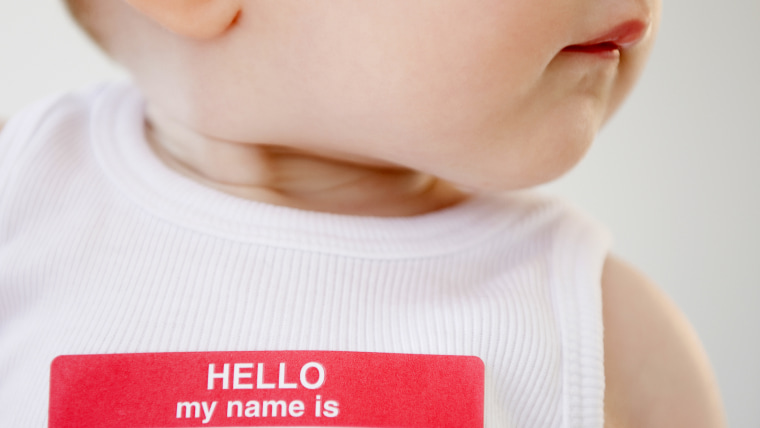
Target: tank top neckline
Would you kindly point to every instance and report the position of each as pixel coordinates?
(118, 139)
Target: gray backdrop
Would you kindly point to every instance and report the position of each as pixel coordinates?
(674, 174)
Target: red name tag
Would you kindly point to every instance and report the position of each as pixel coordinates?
(278, 388)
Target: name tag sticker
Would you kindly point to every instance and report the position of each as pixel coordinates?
(266, 389)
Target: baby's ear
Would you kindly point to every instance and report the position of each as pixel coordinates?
(200, 19)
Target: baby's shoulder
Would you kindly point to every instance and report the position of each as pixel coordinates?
(657, 373)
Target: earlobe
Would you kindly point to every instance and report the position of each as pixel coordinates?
(200, 19)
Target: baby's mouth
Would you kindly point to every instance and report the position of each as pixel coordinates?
(619, 38)
(595, 48)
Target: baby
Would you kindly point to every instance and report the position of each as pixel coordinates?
(335, 186)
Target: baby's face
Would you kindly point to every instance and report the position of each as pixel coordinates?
(484, 93)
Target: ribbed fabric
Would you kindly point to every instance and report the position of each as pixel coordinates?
(103, 249)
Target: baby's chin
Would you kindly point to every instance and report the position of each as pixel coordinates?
(501, 181)
(515, 167)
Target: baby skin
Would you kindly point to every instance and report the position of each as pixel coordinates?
(400, 108)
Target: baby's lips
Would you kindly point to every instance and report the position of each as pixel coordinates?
(623, 36)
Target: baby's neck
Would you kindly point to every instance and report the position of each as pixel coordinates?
(296, 178)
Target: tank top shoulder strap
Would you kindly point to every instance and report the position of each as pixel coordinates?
(37, 124)
(578, 252)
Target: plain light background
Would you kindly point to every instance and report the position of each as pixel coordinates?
(674, 175)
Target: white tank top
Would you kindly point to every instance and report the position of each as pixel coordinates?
(103, 249)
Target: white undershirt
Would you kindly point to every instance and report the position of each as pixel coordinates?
(104, 249)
